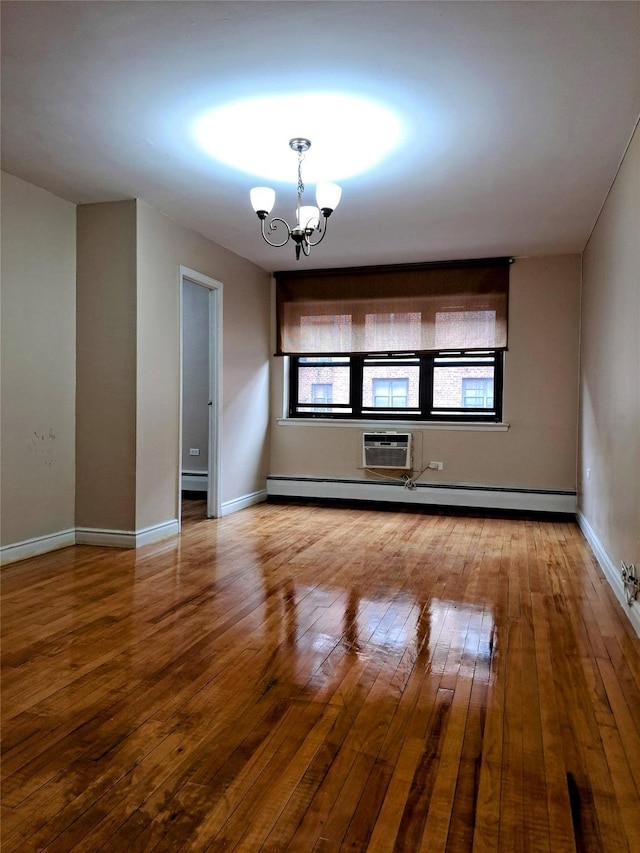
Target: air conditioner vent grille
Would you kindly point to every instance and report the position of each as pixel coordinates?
(386, 450)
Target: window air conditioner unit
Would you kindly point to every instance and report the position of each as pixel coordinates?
(386, 450)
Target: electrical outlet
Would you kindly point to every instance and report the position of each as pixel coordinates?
(436, 466)
(194, 451)
(630, 581)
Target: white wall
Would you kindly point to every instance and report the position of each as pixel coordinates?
(38, 362)
(195, 376)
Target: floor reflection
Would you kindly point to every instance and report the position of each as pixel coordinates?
(315, 624)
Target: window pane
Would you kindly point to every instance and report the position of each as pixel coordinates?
(390, 386)
(462, 386)
(330, 379)
(477, 393)
(390, 392)
(322, 392)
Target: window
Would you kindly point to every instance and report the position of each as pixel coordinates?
(464, 383)
(412, 341)
(322, 392)
(477, 392)
(392, 393)
(322, 385)
(460, 386)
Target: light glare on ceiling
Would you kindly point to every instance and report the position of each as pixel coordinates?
(350, 135)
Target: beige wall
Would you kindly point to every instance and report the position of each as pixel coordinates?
(129, 257)
(106, 366)
(107, 457)
(540, 402)
(164, 245)
(38, 362)
(610, 369)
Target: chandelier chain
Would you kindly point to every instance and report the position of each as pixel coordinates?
(300, 184)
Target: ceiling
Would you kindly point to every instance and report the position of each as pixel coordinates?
(515, 115)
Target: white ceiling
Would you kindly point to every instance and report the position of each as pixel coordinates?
(516, 114)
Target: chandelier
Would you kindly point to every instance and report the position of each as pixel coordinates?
(311, 221)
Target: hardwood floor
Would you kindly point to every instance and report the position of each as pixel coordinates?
(317, 678)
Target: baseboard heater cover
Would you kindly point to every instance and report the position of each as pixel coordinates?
(438, 494)
(194, 481)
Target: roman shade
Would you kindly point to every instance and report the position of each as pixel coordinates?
(418, 308)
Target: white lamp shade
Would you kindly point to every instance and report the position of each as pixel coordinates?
(309, 216)
(263, 198)
(328, 195)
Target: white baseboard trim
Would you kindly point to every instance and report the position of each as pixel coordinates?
(452, 495)
(108, 538)
(126, 538)
(157, 532)
(611, 573)
(246, 500)
(36, 546)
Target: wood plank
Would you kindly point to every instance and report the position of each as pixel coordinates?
(556, 793)
(416, 808)
(388, 823)
(436, 830)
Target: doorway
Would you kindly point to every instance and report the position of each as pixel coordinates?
(199, 453)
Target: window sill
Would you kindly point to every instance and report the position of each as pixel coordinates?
(373, 426)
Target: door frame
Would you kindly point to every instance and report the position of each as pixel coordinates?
(214, 456)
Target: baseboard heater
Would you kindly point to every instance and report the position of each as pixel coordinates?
(194, 481)
(425, 494)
